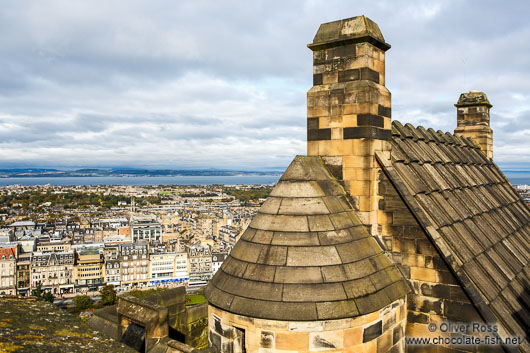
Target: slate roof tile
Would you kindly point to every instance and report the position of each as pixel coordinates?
(473, 211)
(262, 237)
(295, 239)
(425, 177)
(298, 275)
(335, 309)
(359, 287)
(257, 272)
(299, 257)
(336, 237)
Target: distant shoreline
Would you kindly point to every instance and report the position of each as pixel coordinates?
(125, 173)
(138, 176)
(142, 180)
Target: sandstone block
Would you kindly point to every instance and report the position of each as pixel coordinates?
(423, 274)
(292, 341)
(353, 337)
(327, 340)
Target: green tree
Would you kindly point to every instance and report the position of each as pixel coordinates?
(82, 302)
(37, 292)
(48, 297)
(108, 295)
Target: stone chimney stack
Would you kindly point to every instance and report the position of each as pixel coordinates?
(348, 107)
(473, 120)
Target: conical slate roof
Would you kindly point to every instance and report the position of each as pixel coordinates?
(305, 256)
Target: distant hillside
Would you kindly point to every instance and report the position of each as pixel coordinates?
(94, 172)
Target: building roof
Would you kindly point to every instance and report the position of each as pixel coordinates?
(348, 31)
(8, 252)
(473, 98)
(473, 215)
(22, 224)
(306, 256)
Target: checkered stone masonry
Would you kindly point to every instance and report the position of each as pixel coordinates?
(349, 107)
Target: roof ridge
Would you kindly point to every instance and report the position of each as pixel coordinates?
(420, 132)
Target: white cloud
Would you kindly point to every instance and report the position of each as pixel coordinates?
(222, 84)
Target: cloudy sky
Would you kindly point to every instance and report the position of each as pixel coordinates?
(222, 84)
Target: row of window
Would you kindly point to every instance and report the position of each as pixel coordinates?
(6, 283)
(50, 283)
(134, 257)
(133, 277)
(90, 274)
(52, 275)
(132, 264)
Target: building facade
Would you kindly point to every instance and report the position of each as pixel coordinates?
(146, 228)
(200, 265)
(134, 265)
(24, 274)
(54, 271)
(111, 254)
(89, 270)
(8, 256)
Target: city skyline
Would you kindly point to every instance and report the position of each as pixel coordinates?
(223, 86)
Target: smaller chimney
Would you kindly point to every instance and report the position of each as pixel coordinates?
(473, 120)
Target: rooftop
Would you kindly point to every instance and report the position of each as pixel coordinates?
(29, 325)
(306, 256)
(473, 98)
(349, 30)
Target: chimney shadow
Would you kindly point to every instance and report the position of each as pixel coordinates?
(523, 316)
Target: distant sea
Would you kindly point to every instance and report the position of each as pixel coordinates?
(518, 177)
(145, 180)
(515, 177)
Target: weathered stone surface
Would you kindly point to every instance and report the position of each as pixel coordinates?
(295, 239)
(285, 223)
(28, 325)
(373, 331)
(294, 206)
(313, 256)
(337, 309)
(297, 189)
(299, 251)
(271, 205)
(298, 275)
(471, 216)
(352, 30)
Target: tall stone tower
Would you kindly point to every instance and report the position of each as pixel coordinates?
(306, 275)
(473, 120)
(348, 107)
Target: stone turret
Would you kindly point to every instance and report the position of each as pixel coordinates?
(473, 120)
(348, 108)
(307, 275)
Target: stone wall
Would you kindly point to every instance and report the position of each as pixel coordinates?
(437, 296)
(105, 320)
(380, 331)
(196, 329)
(152, 317)
(158, 314)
